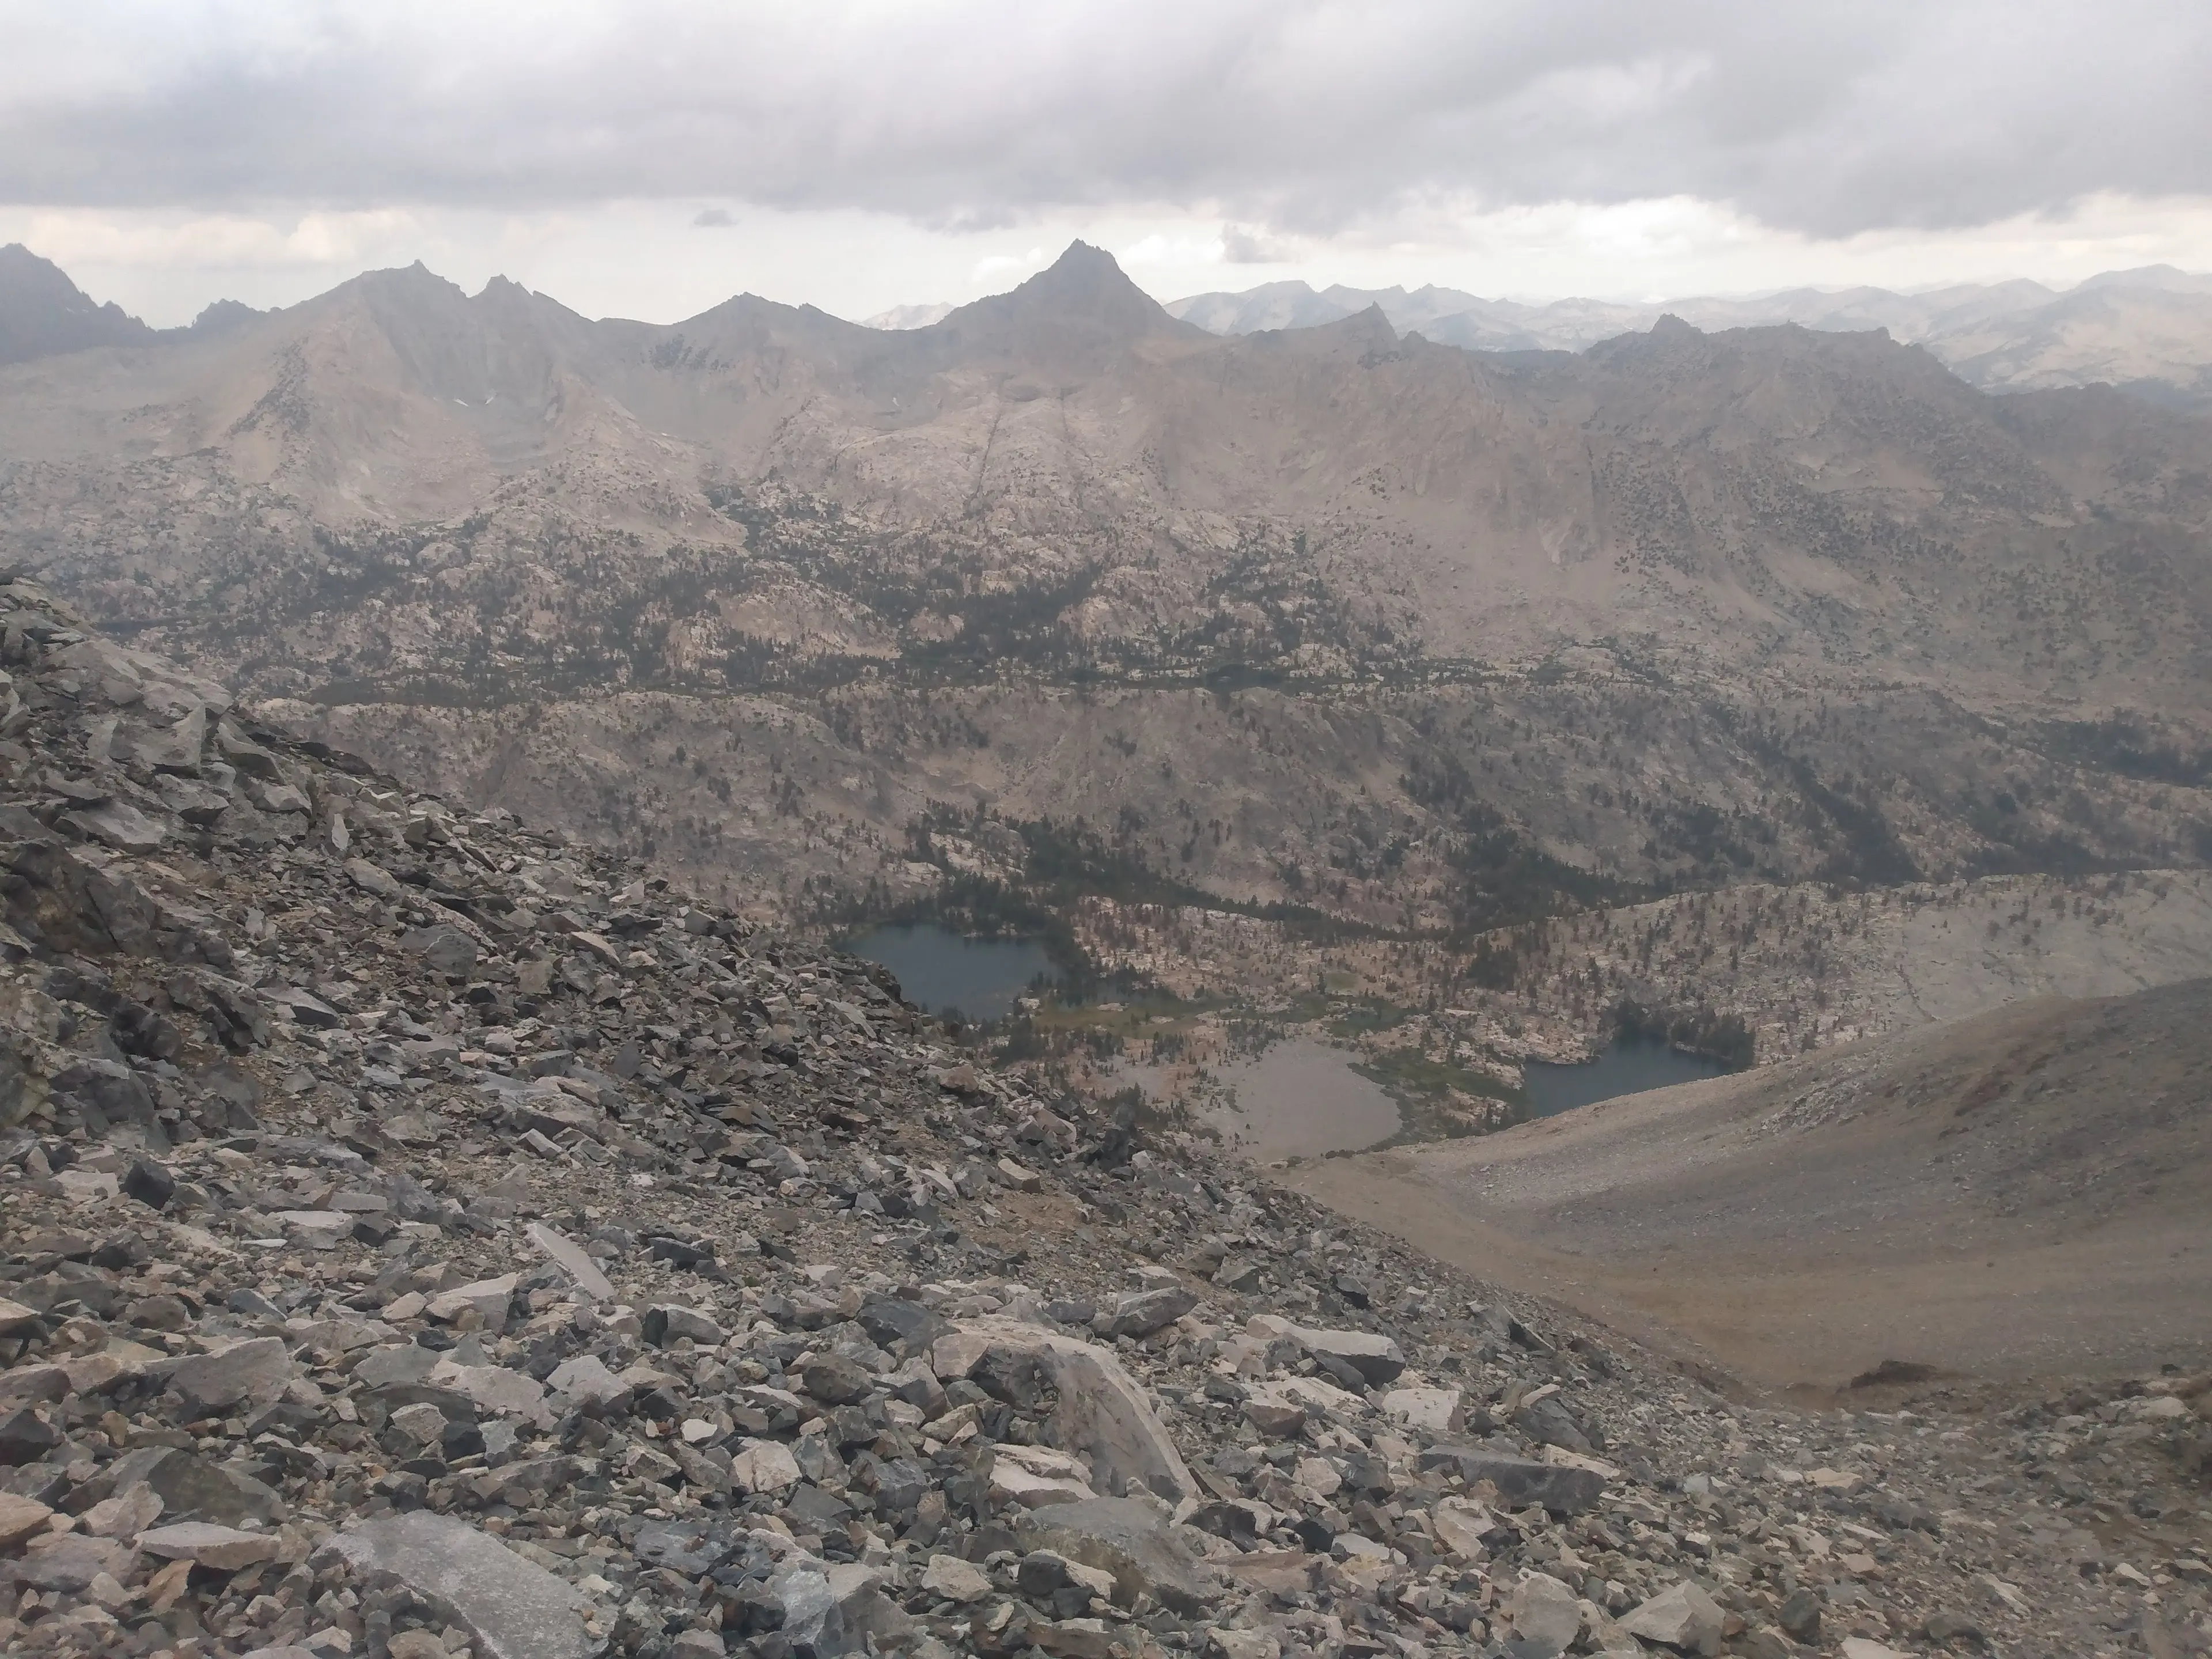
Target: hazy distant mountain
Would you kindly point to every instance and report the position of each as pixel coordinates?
(2173, 280)
(2148, 330)
(901, 317)
(42, 312)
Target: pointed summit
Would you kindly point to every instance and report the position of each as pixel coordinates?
(1082, 302)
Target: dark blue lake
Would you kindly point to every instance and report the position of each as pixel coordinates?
(1630, 1066)
(940, 969)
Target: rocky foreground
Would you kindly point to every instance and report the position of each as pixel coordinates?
(425, 1238)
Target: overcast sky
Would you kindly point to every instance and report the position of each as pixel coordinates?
(649, 158)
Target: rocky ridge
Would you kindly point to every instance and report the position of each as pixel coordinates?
(424, 1236)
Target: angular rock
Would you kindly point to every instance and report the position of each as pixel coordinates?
(510, 1609)
(255, 1370)
(1435, 1410)
(493, 1389)
(572, 1260)
(486, 1297)
(70, 1561)
(905, 1328)
(1129, 1539)
(1377, 1359)
(835, 1380)
(586, 1379)
(1033, 1476)
(1463, 1527)
(126, 1515)
(374, 880)
(763, 1466)
(191, 1487)
(1546, 1617)
(811, 1619)
(32, 1385)
(444, 948)
(1101, 1413)
(952, 1579)
(1146, 1311)
(26, 1437)
(1682, 1617)
(150, 1182)
(400, 1362)
(20, 1518)
(1520, 1481)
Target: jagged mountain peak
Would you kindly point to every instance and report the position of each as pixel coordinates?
(44, 313)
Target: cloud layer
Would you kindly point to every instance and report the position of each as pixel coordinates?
(1298, 120)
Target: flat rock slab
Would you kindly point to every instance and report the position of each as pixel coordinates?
(205, 1544)
(510, 1609)
(573, 1260)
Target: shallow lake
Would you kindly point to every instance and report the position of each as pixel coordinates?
(940, 970)
(1300, 1099)
(1630, 1065)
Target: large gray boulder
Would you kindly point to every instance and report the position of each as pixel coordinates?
(1102, 1413)
(510, 1609)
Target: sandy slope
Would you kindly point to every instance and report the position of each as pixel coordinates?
(2021, 1193)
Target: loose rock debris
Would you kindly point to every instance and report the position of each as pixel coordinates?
(425, 1238)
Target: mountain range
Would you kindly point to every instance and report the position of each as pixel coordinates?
(2148, 331)
(1065, 603)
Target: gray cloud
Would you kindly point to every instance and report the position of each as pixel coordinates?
(1242, 246)
(1298, 118)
